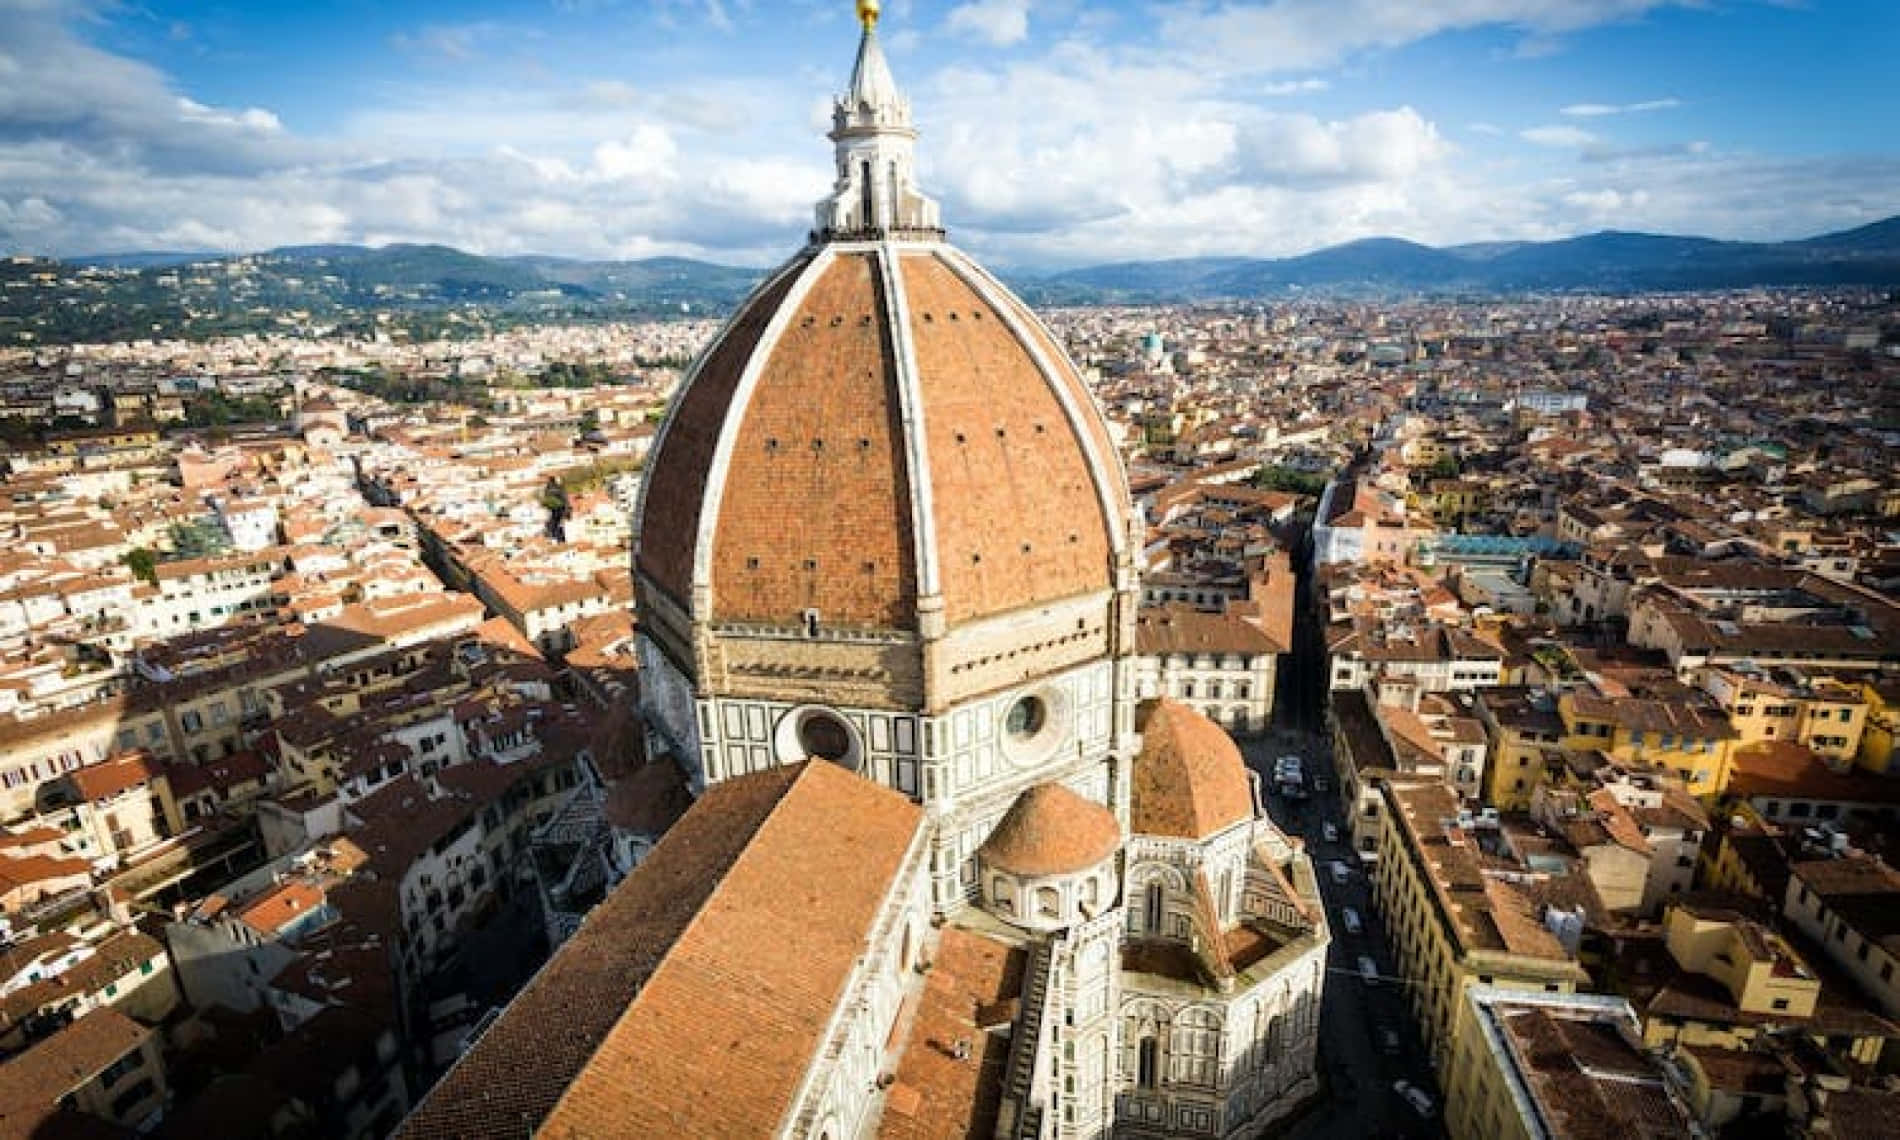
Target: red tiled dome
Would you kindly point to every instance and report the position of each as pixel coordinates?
(1051, 830)
(879, 423)
(1190, 781)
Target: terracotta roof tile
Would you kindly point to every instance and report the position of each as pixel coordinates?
(824, 427)
(1051, 830)
(1189, 780)
(671, 1012)
(32, 1082)
(972, 984)
(677, 471)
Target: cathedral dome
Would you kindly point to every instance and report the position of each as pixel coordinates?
(1189, 780)
(1051, 830)
(882, 431)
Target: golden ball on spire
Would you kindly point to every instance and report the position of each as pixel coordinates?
(868, 11)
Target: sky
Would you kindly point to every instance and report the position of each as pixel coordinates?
(1055, 132)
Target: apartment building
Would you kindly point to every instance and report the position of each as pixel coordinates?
(1724, 977)
(1674, 733)
(1524, 733)
(202, 593)
(1540, 1066)
(1850, 907)
(1454, 924)
(1436, 658)
(1824, 713)
(102, 1070)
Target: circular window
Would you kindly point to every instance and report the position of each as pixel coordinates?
(1031, 725)
(824, 737)
(1025, 719)
(816, 733)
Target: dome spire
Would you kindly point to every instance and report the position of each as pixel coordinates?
(875, 196)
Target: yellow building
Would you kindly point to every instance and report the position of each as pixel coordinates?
(1745, 855)
(1881, 726)
(1452, 924)
(1730, 979)
(1675, 736)
(1524, 731)
(100, 439)
(1826, 714)
(1448, 500)
(1525, 1063)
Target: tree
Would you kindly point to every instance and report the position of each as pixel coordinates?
(143, 563)
(1270, 478)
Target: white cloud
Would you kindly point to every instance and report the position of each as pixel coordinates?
(453, 43)
(648, 154)
(1311, 34)
(1073, 154)
(252, 119)
(1598, 110)
(1000, 22)
(1558, 136)
(1293, 87)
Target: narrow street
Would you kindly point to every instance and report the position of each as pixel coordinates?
(1359, 1100)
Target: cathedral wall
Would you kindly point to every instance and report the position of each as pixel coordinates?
(833, 666)
(1199, 1062)
(971, 755)
(739, 735)
(842, 1087)
(1088, 976)
(979, 658)
(1169, 867)
(666, 704)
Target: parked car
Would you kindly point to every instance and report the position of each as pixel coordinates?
(1368, 969)
(1349, 918)
(1340, 872)
(1322, 784)
(1420, 1100)
(1330, 832)
(1388, 1040)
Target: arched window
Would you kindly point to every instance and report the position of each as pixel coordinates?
(1154, 908)
(1048, 902)
(1187, 689)
(1147, 1062)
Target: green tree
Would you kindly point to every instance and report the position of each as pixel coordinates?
(1272, 478)
(143, 563)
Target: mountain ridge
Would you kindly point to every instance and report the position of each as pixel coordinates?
(175, 293)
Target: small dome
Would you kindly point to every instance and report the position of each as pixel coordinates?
(1050, 830)
(1189, 781)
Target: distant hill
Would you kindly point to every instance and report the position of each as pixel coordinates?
(149, 259)
(443, 291)
(1600, 262)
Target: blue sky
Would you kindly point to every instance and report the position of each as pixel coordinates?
(1056, 132)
